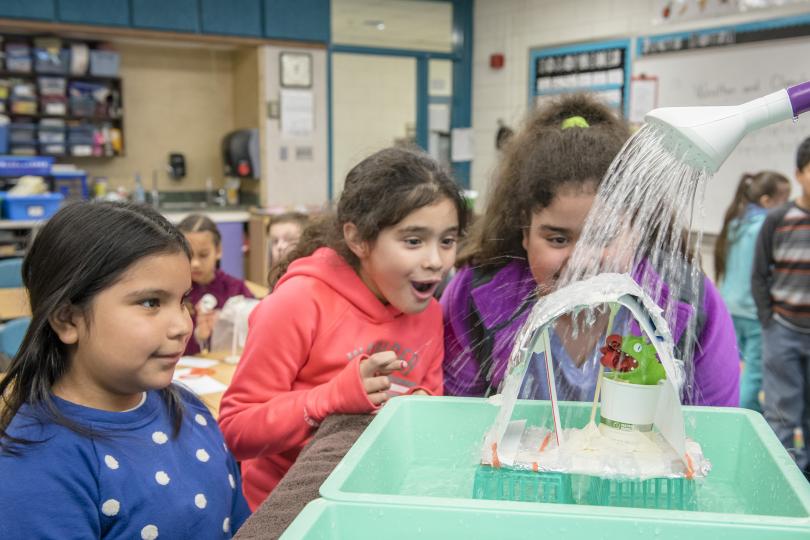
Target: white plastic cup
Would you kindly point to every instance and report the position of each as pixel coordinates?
(627, 406)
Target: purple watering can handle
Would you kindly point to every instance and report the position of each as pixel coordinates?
(799, 97)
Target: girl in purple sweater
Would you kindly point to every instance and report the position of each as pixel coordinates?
(545, 187)
(207, 279)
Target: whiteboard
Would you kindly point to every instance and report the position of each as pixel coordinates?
(729, 76)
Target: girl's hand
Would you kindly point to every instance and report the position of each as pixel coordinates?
(373, 371)
(205, 324)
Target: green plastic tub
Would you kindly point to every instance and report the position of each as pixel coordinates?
(329, 520)
(424, 451)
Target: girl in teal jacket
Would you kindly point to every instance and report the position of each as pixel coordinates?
(733, 262)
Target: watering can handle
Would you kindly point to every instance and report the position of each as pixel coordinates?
(799, 98)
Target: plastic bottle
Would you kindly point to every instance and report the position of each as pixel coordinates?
(138, 195)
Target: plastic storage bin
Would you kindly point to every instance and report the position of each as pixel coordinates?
(104, 63)
(17, 166)
(329, 520)
(21, 207)
(71, 184)
(424, 451)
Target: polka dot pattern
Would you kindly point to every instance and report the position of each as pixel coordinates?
(159, 437)
(231, 481)
(226, 525)
(110, 507)
(150, 532)
(200, 419)
(200, 501)
(110, 462)
(162, 478)
(202, 455)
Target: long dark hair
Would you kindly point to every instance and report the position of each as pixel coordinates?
(82, 250)
(539, 160)
(200, 223)
(751, 189)
(379, 192)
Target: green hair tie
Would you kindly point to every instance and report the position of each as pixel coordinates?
(574, 121)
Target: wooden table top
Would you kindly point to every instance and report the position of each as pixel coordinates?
(223, 372)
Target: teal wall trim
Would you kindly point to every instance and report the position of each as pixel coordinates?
(422, 89)
(461, 114)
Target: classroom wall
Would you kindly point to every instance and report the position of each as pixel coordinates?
(176, 99)
(247, 103)
(294, 167)
(373, 101)
(513, 27)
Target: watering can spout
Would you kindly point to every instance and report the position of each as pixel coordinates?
(705, 136)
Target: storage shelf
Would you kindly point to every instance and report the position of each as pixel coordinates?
(33, 75)
(67, 117)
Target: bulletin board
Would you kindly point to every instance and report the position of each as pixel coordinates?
(599, 68)
(729, 75)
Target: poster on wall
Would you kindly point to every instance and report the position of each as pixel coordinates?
(297, 113)
(643, 98)
(675, 11)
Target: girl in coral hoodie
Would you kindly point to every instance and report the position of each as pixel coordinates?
(352, 320)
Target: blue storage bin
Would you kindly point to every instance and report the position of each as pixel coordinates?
(71, 184)
(4, 135)
(23, 133)
(22, 207)
(104, 63)
(21, 166)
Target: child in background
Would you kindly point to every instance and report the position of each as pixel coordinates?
(517, 250)
(733, 263)
(780, 284)
(283, 233)
(206, 251)
(353, 316)
(95, 441)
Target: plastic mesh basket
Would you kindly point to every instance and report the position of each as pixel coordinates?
(655, 493)
(519, 485)
(504, 484)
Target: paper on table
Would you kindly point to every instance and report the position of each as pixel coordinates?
(193, 361)
(202, 385)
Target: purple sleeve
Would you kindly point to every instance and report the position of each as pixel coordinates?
(244, 291)
(716, 360)
(460, 367)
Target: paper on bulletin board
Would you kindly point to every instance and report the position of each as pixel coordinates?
(297, 114)
(461, 144)
(643, 97)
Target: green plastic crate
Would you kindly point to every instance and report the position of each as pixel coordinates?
(519, 485)
(330, 520)
(424, 451)
(505, 484)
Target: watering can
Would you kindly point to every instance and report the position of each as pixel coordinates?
(705, 136)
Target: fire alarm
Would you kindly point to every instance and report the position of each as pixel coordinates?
(496, 61)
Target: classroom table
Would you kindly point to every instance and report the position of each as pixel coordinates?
(14, 303)
(222, 372)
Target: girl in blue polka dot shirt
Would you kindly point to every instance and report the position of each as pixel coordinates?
(95, 441)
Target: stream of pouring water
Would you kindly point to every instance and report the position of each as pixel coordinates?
(640, 224)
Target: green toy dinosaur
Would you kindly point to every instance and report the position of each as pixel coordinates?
(632, 359)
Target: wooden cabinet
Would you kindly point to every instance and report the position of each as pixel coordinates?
(235, 17)
(300, 20)
(101, 12)
(306, 20)
(174, 15)
(28, 9)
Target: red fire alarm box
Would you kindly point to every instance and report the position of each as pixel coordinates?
(496, 61)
